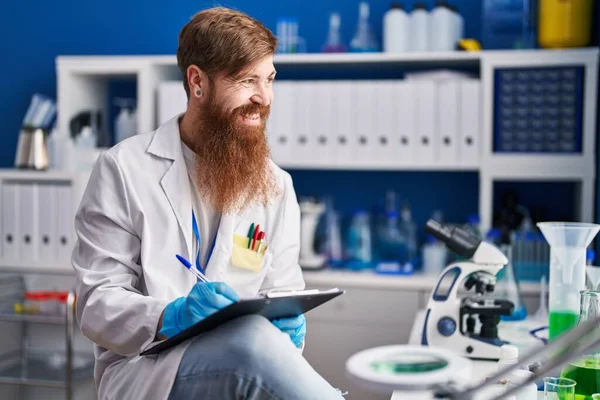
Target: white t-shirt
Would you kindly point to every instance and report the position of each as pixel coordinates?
(206, 216)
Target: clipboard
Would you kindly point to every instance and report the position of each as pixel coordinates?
(273, 305)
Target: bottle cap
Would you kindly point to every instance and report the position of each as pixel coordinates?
(420, 6)
(396, 5)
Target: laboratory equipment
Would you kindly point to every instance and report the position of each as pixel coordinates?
(541, 314)
(568, 242)
(446, 27)
(32, 151)
(419, 28)
(288, 40)
(126, 121)
(435, 256)
(436, 373)
(359, 251)
(310, 212)
(450, 321)
(538, 110)
(586, 371)
(364, 38)
(565, 23)
(334, 42)
(507, 287)
(332, 247)
(509, 24)
(396, 29)
(408, 230)
(559, 388)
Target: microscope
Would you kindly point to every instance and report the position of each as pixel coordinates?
(467, 325)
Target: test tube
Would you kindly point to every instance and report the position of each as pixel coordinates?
(516, 253)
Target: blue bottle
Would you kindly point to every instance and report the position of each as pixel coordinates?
(359, 252)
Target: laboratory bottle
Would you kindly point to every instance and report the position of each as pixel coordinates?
(364, 38)
(507, 288)
(122, 125)
(86, 139)
(435, 255)
(408, 230)
(359, 242)
(396, 29)
(586, 370)
(443, 28)
(565, 23)
(509, 24)
(419, 28)
(334, 42)
(391, 246)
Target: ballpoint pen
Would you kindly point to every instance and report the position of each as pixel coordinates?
(191, 268)
(250, 234)
(255, 236)
(261, 240)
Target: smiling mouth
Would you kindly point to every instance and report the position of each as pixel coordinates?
(251, 117)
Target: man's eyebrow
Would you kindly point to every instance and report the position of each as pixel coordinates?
(256, 76)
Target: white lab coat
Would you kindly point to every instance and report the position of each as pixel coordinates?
(135, 215)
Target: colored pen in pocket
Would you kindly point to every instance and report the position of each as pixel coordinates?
(261, 241)
(250, 234)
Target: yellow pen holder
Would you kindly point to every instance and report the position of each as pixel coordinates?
(243, 257)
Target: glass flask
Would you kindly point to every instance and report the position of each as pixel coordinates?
(586, 370)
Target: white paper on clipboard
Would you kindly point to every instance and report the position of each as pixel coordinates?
(291, 293)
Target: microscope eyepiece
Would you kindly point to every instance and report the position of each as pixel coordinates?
(458, 240)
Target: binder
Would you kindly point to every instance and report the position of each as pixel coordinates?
(365, 135)
(322, 121)
(281, 121)
(28, 221)
(448, 117)
(470, 125)
(10, 221)
(303, 123)
(64, 223)
(345, 122)
(271, 306)
(427, 123)
(385, 124)
(47, 233)
(405, 131)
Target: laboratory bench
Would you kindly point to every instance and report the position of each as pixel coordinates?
(376, 310)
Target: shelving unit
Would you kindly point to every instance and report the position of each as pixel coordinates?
(82, 84)
(42, 368)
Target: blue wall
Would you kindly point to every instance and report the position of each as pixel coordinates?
(35, 32)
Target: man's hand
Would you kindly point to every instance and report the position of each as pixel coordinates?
(204, 299)
(295, 327)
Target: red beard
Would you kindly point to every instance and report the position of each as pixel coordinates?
(232, 163)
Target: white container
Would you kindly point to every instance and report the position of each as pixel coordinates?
(419, 28)
(396, 29)
(529, 391)
(443, 28)
(459, 22)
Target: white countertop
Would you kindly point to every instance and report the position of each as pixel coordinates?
(371, 280)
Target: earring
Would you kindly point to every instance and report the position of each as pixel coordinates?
(198, 92)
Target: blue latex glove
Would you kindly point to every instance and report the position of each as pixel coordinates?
(295, 327)
(204, 299)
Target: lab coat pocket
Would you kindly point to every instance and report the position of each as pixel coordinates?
(244, 257)
(244, 271)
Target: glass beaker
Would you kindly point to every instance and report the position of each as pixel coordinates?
(586, 370)
(568, 242)
(559, 389)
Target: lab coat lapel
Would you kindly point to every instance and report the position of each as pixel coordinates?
(175, 182)
(176, 185)
(225, 233)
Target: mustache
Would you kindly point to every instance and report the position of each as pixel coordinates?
(253, 108)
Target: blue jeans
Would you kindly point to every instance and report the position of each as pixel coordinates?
(247, 358)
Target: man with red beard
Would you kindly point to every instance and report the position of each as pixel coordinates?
(195, 188)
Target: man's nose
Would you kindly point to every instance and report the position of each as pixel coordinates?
(262, 97)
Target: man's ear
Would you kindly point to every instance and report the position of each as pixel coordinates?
(197, 81)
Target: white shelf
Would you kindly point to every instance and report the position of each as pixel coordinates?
(368, 279)
(26, 174)
(374, 165)
(538, 167)
(37, 267)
